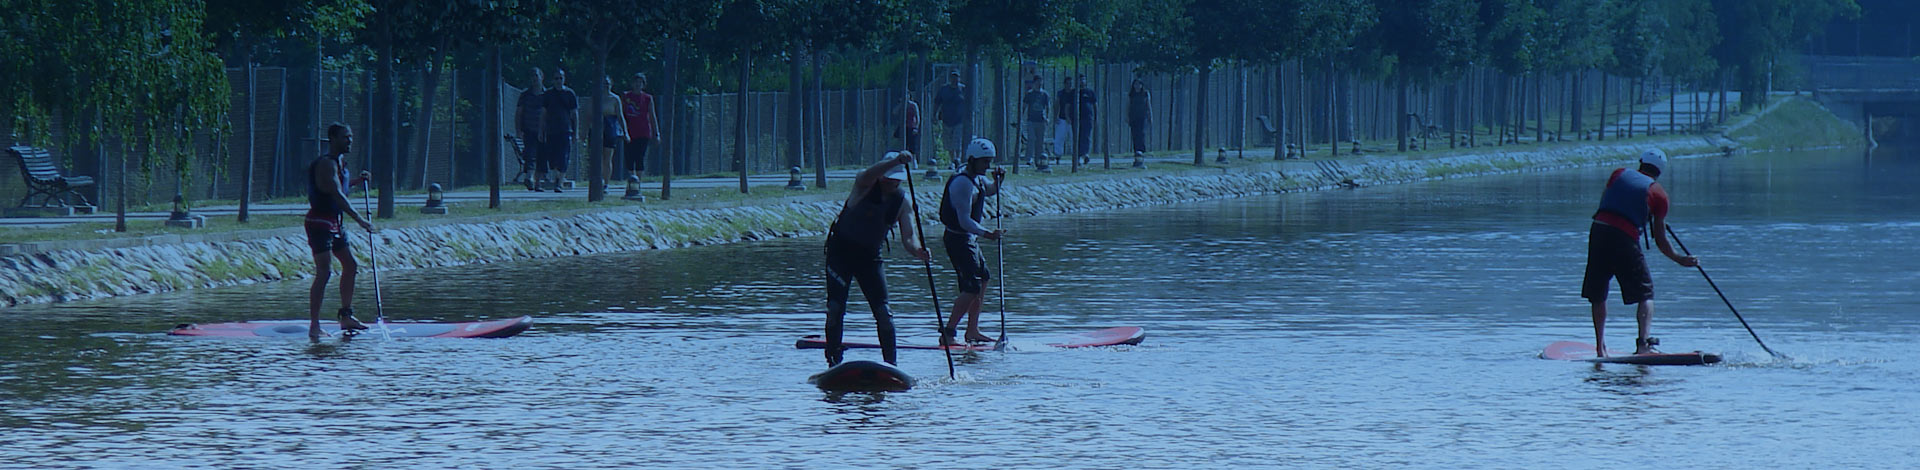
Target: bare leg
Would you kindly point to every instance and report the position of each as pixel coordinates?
(349, 270)
(322, 271)
(1600, 328)
(960, 308)
(1643, 316)
(973, 320)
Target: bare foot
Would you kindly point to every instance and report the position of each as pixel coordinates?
(976, 337)
(1599, 349)
(946, 341)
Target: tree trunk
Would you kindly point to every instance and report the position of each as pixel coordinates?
(1200, 116)
(1540, 110)
(1602, 136)
(246, 174)
(1000, 104)
(740, 119)
(496, 168)
(1279, 106)
(796, 109)
(596, 154)
(669, 95)
(1400, 128)
(387, 132)
(819, 121)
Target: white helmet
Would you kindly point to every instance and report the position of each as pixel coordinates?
(980, 148)
(1656, 158)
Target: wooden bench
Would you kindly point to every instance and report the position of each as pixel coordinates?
(44, 179)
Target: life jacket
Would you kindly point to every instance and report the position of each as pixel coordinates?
(950, 215)
(1626, 198)
(864, 223)
(320, 207)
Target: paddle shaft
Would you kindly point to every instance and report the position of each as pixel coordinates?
(1716, 289)
(1000, 252)
(373, 261)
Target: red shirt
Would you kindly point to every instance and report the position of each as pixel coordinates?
(638, 108)
(1656, 206)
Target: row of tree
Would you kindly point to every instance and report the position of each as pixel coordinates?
(150, 69)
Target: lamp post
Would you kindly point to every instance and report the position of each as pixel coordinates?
(436, 203)
(793, 180)
(633, 189)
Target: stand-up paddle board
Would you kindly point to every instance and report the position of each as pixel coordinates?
(1578, 351)
(1106, 337)
(862, 376)
(298, 328)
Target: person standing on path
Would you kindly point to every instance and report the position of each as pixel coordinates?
(641, 129)
(876, 206)
(1033, 125)
(906, 121)
(561, 108)
(1083, 121)
(528, 120)
(1064, 109)
(1632, 201)
(953, 106)
(1139, 117)
(613, 130)
(327, 186)
(962, 209)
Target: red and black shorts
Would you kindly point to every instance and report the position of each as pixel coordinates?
(325, 236)
(1612, 254)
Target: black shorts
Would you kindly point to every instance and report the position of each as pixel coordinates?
(1611, 254)
(325, 237)
(559, 148)
(968, 263)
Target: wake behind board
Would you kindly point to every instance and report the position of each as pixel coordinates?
(1578, 351)
(862, 376)
(298, 328)
(1104, 337)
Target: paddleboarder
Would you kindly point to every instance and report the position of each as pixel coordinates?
(876, 205)
(326, 201)
(1632, 201)
(962, 209)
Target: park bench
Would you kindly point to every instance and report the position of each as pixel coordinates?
(520, 154)
(44, 178)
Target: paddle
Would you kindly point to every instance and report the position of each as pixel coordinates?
(373, 262)
(1723, 296)
(1000, 255)
(919, 230)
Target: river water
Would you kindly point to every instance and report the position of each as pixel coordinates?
(1393, 326)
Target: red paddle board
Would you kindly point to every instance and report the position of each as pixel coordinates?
(298, 328)
(1096, 338)
(1578, 351)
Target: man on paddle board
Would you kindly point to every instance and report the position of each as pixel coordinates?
(876, 205)
(962, 208)
(326, 201)
(1633, 201)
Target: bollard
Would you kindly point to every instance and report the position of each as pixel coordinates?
(933, 174)
(633, 189)
(181, 217)
(793, 180)
(1223, 156)
(436, 203)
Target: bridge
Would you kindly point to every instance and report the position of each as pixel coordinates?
(1864, 88)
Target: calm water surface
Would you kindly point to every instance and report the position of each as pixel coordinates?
(1382, 327)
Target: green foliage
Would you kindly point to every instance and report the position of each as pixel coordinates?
(1425, 39)
(1633, 40)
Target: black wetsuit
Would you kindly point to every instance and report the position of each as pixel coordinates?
(853, 255)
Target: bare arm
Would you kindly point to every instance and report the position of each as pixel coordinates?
(1659, 228)
(909, 236)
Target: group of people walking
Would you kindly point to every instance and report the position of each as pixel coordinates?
(547, 120)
